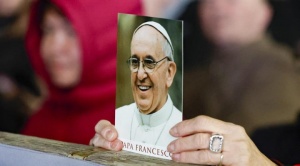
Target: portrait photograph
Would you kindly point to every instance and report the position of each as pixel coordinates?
(149, 92)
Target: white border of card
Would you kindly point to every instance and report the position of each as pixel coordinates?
(139, 132)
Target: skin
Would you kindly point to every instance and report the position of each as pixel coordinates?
(193, 140)
(234, 22)
(10, 7)
(146, 42)
(60, 50)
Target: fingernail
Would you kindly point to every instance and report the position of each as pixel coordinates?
(175, 157)
(171, 147)
(174, 131)
(114, 145)
(109, 135)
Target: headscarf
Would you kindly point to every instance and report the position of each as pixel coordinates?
(71, 114)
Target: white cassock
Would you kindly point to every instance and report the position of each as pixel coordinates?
(151, 129)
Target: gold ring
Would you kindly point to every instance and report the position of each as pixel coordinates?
(221, 160)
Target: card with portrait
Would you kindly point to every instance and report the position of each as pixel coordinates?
(149, 83)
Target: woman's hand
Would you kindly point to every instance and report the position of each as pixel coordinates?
(192, 145)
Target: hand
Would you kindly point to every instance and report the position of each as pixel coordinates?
(106, 136)
(192, 145)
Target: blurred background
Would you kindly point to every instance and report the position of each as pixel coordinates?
(19, 90)
(240, 64)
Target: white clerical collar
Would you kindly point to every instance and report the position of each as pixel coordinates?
(159, 117)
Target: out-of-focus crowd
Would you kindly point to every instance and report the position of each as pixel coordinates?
(241, 65)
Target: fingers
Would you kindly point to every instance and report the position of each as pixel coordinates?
(202, 124)
(193, 143)
(99, 141)
(200, 157)
(106, 130)
(106, 136)
(201, 141)
(190, 143)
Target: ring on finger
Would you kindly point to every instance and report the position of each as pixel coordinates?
(216, 143)
(221, 160)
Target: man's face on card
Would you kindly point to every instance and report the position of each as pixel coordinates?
(150, 89)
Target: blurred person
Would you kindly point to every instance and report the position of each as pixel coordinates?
(72, 46)
(194, 136)
(276, 142)
(285, 23)
(279, 141)
(164, 8)
(227, 19)
(19, 90)
(9, 8)
(246, 77)
(13, 17)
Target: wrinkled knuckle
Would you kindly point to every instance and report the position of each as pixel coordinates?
(178, 144)
(179, 130)
(236, 129)
(108, 145)
(240, 129)
(103, 144)
(209, 158)
(97, 144)
(182, 158)
(198, 140)
(199, 120)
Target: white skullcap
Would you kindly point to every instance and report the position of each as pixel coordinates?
(162, 30)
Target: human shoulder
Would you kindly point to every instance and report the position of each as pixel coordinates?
(277, 53)
(122, 115)
(126, 109)
(176, 113)
(175, 117)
